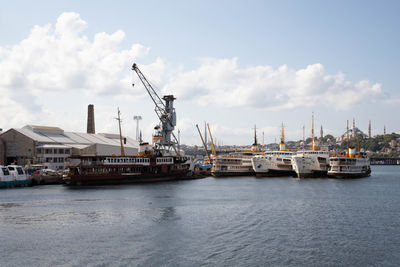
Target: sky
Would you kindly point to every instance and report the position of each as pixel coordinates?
(234, 64)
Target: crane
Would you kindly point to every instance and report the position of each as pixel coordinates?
(166, 141)
(212, 142)
(204, 144)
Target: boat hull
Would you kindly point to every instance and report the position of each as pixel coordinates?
(341, 175)
(226, 174)
(15, 183)
(313, 174)
(106, 179)
(275, 173)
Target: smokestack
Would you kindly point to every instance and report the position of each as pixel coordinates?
(90, 120)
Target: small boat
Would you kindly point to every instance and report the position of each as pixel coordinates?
(13, 176)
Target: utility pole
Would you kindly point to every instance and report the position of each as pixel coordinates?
(137, 119)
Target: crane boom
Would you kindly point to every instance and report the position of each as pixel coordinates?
(212, 141)
(165, 112)
(204, 144)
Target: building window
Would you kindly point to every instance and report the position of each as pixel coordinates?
(48, 160)
(60, 160)
(48, 151)
(61, 151)
(66, 151)
(38, 150)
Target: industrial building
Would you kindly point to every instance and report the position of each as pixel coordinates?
(51, 146)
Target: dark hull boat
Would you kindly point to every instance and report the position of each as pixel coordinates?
(134, 169)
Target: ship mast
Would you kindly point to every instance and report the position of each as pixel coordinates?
(347, 132)
(312, 133)
(263, 143)
(282, 144)
(303, 139)
(120, 133)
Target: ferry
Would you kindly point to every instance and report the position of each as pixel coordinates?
(351, 165)
(13, 176)
(129, 169)
(274, 163)
(234, 164)
(311, 163)
(237, 163)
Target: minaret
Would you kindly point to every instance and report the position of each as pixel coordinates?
(369, 129)
(322, 132)
(384, 129)
(354, 128)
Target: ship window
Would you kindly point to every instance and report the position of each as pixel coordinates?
(20, 171)
(5, 171)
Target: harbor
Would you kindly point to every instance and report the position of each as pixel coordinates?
(199, 133)
(230, 221)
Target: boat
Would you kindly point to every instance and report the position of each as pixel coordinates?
(236, 163)
(94, 170)
(13, 176)
(311, 163)
(353, 165)
(350, 165)
(233, 164)
(274, 163)
(161, 161)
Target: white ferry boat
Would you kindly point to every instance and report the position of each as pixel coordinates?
(311, 163)
(353, 165)
(13, 175)
(274, 163)
(237, 163)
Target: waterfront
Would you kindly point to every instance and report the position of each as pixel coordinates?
(224, 222)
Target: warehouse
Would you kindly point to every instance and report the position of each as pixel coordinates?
(51, 146)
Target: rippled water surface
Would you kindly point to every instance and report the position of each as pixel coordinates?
(224, 222)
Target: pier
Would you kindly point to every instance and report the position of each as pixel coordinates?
(384, 161)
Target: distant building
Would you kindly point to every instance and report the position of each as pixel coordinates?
(352, 133)
(51, 146)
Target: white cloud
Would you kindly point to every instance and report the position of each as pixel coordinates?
(51, 75)
(223, 82)
(59, 58)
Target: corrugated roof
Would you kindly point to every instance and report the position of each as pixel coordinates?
(74, 139)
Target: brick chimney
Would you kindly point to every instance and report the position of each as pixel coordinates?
(90, 120)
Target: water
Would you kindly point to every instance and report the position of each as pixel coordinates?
(224, 222)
